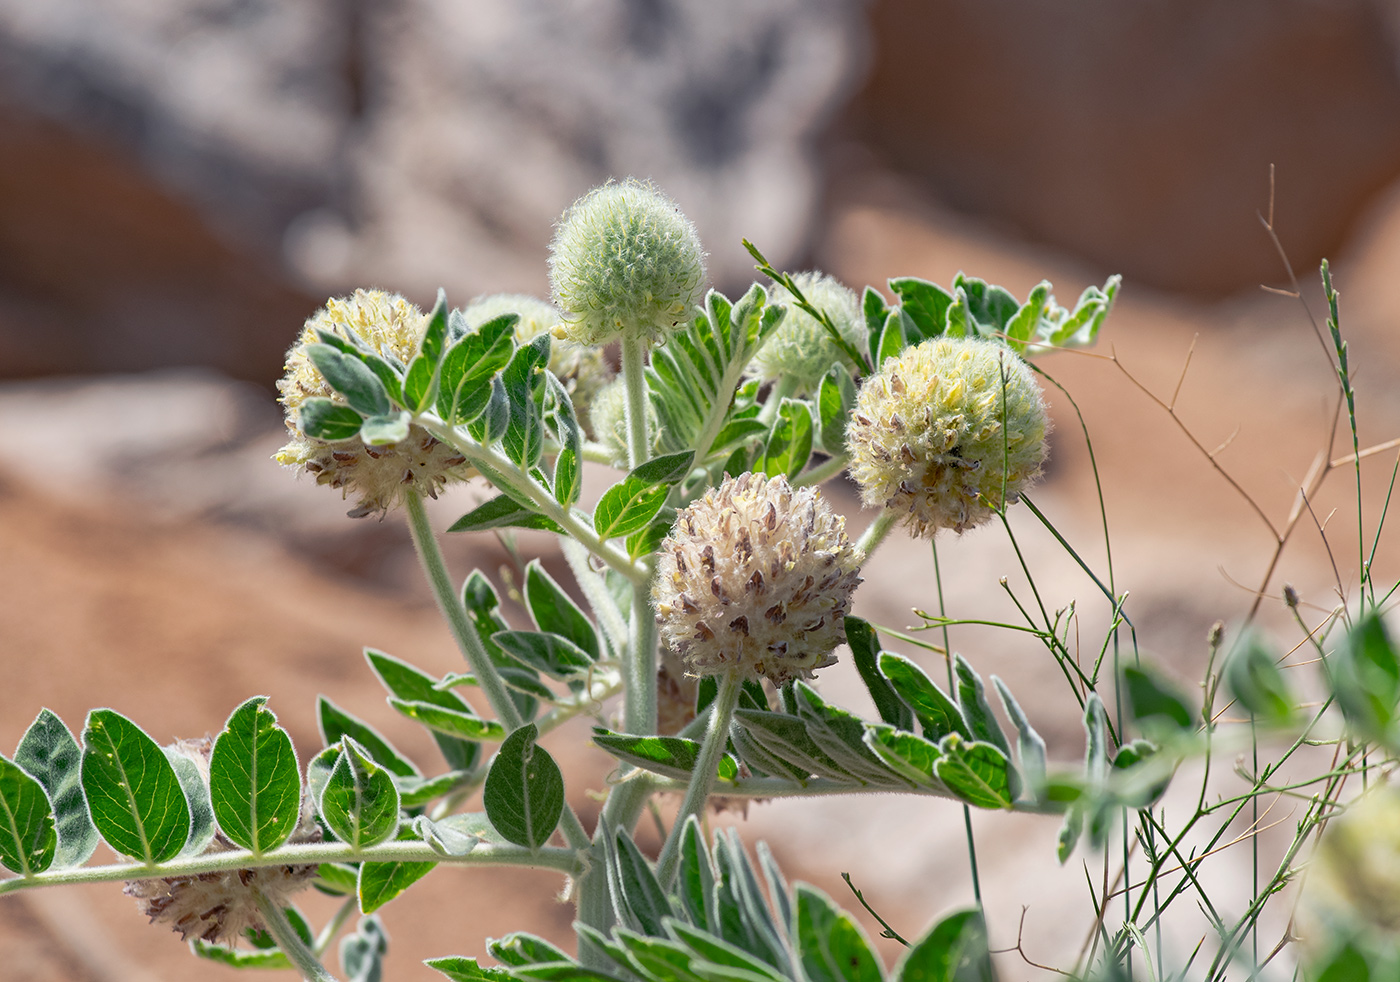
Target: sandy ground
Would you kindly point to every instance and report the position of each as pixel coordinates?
(152, 559)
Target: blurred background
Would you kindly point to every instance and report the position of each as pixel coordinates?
(183, 182)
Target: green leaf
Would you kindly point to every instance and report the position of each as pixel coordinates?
(976, 711)
(491, 424)
(787, 738)
(379, 883)
(502, 511)
(450, 722)
(524, 793)
(362, 953)
(842, 736)
(134, 797)
(254, 784)
(454, 835)
(360, 804)
(557, 657)
(668, 755)
(523, 439)
(831, 944)
(464, 386)
(461, 969)
(413, 685)
(1070, 830)
(1134, 790)
(335, 723)
(865, 653)
(991, 307)
(238, 957)
(892, 340)
(1029, 744)
(1257, 682)
(649, 539)
(522, 948)
(378, 431)
(924, 303)
(568, 478)
(723, 960)
(695, 877)
(627, 507)
(50, 755)
(197, 796)
(1156, 703)
(28, 837)
(552, 610)
(1365, 675)
(936, 713)
(1021, 328)
(415, 792)
(638, 893)
(978, 773)
(421, 382)
(954, 950)
(322, 419)
(385, 372)
(906, 753)
(789, 445)
(667, 469)
(350, 377)
(836, 398)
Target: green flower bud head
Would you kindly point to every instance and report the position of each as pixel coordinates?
(932, 436)
(607, 418)
(625, 263)
(756, 578)
(801, 348)
(583, 368)
(376, 475)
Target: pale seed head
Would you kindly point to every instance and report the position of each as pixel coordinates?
(756, 578)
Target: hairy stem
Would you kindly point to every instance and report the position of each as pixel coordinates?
(468, 641)
(635, 380)
(875, 533)
(291, 944)
(702, 779)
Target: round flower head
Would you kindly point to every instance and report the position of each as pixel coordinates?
(377, 475)
(582, 368)
(607, 419)
(927, 435)
(801, 348)
(756, 578)
(221, 907)
(625, 263)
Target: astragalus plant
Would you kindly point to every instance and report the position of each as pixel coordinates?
(716, 581)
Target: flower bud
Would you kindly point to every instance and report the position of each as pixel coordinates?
(756, 579)
(582, 368)
(940, 430)
(801, 348)
(625, 264)
(377, 475)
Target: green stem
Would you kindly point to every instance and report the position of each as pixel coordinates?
(783, 387)
(702, 779)
(398, 851)
(334, 926)
(824, 471)
(875, 533)
(296, 950)
(639, 666)
(635, 380)
(468, 640)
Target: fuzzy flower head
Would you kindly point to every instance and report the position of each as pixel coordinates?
(221, 907)
(932, 436)
(376, 475)
(756, 579)
(582, 368)
(625, 263)
(801, 348)
(607, 419)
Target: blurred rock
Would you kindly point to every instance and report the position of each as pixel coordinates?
(1140, 134)
(199, 170)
